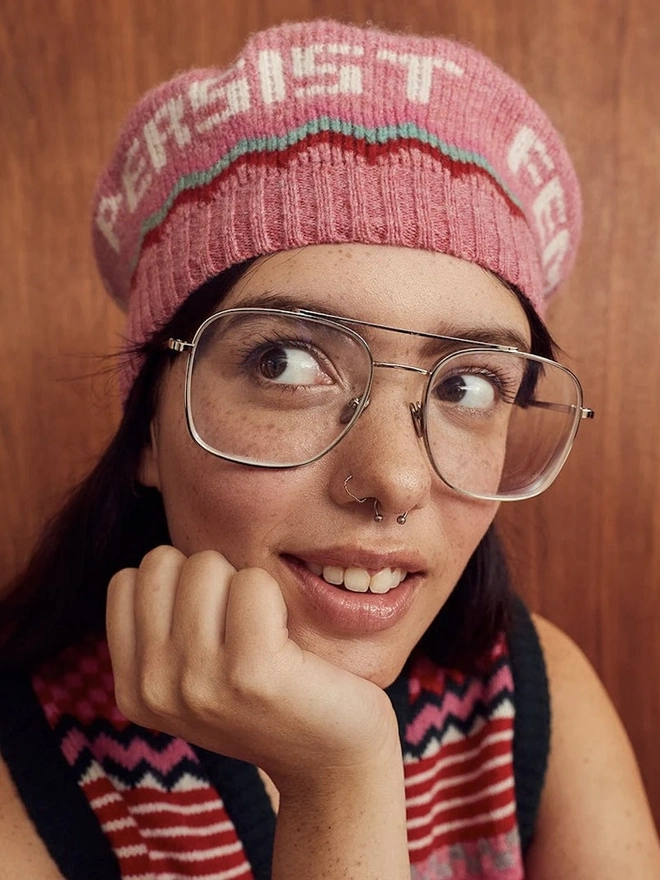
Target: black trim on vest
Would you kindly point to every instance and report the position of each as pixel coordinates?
(248, 806)
(48, 788)
(398, 694)
(531, 732)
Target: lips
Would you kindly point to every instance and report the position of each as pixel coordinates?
(355, 593)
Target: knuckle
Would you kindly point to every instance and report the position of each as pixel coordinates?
(210, 560)
(207, 555)
(247, 681)
(192, 691)
(126, 702)
(252, 576)
(153, 691)
(122, 579)
(162, 555)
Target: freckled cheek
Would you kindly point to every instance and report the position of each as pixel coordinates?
(464, 522)
(212, 504)
(235, 428)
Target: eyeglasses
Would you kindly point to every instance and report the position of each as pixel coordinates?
(273, 388)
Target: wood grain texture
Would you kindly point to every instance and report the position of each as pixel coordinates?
(587, 553)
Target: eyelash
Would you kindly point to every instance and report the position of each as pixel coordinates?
(506, 394)
(249, 355)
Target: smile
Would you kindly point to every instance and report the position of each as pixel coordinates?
(368, 593)
(358, 580)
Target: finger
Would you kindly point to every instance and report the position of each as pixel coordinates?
(120, 615)
(256, 619)
(120, 628)
(200, 603)
(155, 590)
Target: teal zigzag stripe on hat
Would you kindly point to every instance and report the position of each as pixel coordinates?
(272, 143)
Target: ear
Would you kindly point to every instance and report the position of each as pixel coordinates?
(149, 469)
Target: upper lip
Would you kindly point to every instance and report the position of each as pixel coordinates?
(354, 557)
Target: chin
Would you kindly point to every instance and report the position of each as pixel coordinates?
(379, 664)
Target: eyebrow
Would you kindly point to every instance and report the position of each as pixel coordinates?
(492, 335)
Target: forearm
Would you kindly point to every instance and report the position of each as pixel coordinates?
(348, 827)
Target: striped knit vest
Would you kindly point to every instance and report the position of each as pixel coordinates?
(163, 810)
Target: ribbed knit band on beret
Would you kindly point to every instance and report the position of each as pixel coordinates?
(322, 132)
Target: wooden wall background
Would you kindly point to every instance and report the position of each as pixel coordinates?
(587, 554)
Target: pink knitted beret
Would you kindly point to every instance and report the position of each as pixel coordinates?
(323, 132)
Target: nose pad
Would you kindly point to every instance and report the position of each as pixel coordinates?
(350, 408)
(417, 417)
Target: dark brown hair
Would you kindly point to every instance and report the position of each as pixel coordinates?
(109, 523)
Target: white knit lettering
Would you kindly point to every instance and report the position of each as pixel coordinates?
(553, 257)
(420, 72)
(549, 210)
(156, 137)
(135, 175)
(523, 145)
(271, 76)
(106, 217)
(347, 77)
(230, 98)
(529, 153)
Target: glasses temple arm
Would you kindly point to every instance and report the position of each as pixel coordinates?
(585, 412)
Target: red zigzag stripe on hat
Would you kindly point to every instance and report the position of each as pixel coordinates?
(371, 154)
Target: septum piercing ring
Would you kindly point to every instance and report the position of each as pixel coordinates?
(378, 516)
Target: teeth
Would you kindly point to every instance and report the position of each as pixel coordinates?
(384, 580)
(333, 575)
(358, 580)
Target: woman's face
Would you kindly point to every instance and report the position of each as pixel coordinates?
(292, 522)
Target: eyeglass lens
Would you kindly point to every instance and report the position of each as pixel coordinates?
(499, 424)
(280, 390)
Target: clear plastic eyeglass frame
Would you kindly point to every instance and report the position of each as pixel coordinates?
(417, 409)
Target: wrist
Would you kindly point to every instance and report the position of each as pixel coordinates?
(345, 822)
(357, 778)
(327, 760)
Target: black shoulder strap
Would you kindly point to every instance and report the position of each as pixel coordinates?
(48, 788)
(531, 735)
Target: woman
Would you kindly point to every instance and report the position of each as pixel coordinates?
(335, 256)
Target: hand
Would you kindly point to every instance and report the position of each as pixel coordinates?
(202, 652)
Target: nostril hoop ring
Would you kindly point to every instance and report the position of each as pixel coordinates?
(348, 491)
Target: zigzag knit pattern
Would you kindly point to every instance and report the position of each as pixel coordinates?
(165, 820)
(342, 137)
(151, 796)
(458, 754)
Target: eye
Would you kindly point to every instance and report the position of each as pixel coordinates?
(471, 390)
(287, 365)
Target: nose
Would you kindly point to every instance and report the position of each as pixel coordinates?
(385, 456)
